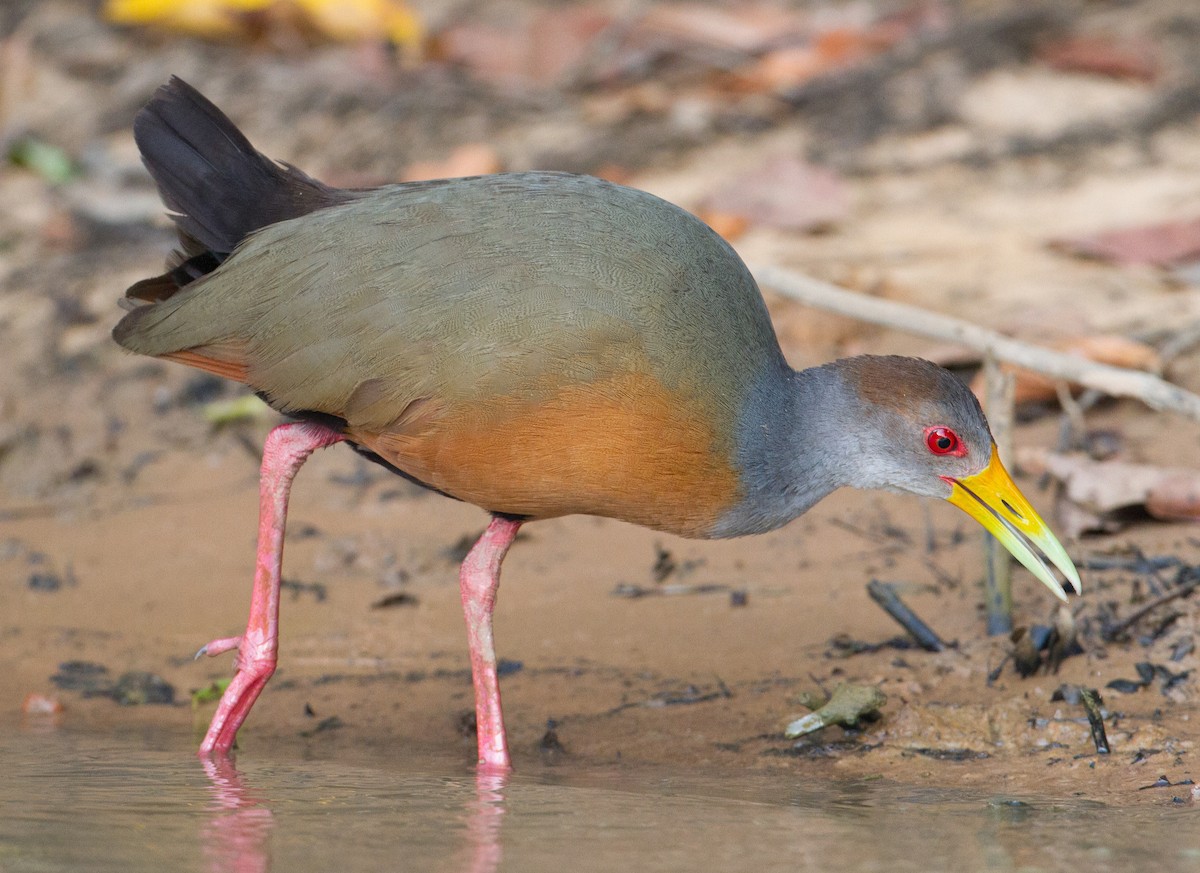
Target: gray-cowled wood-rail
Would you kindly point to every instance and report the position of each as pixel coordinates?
(537, 344)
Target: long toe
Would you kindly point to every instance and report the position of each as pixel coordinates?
(218, 647)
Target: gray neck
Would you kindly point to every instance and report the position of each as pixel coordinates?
(789, 432)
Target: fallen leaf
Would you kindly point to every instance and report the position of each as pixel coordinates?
(844, 42)
(562, 39)
(614, 107)
(1098, 486)
(784, 192)
(1117, 58)
(358, 20)
(1175, 499)
(540, 49)
(1160, 245)
(729, 226)
(214, 19)
(1105, 488)
(62, 230)
(488, 52)
(614, 173)
(337, 20)
(741, 27)
(1112, 349)
(781, 69)
(473, 159)
(792, 66)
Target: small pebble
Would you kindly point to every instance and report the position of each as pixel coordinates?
(138, 687)
(44, 582)
(507, 667)
(1126, 686)
(85, 676)
(550, 741)
(41, 704)
(331, 723)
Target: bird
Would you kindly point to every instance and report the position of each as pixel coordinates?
(538, 344)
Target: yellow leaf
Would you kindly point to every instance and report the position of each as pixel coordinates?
(339, 20)
(349, 20)
(201, 17)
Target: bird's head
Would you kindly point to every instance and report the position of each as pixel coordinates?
(921, 431)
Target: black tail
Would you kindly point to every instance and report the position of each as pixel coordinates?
(219, 186)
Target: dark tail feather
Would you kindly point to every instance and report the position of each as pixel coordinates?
(219, 186)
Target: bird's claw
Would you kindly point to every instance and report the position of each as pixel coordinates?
(218, 647)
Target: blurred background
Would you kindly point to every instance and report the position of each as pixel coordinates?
(1034, 167)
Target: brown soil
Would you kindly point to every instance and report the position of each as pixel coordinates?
(127, 521)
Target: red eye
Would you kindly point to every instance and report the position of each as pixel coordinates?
(943, 441)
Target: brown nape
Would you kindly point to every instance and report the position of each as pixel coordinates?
(893, 381)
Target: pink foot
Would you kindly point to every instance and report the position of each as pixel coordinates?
(218, 647)
(286, 449)
(479, 580)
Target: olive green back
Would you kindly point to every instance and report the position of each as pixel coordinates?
(465, 289)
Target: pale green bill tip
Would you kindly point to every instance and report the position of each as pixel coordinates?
(993, 499)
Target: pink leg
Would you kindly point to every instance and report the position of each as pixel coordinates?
(286, 449)
(479, 579)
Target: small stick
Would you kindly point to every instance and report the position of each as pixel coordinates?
(1115, 381)
(1141, 564)
(1071, 427)
(1121, 627)
(1179, 344)
(999, 389)
(1091, 703)
(885, 595)
(626, 589)
(1074, 427)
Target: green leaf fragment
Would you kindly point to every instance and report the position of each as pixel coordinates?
(848, 704)
(210, 693)
(247, 408)
(48, 161)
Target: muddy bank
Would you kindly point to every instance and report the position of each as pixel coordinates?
(127, 517)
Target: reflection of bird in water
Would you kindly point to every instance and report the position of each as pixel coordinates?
(537, 344)
(236, 837)
(484, 817)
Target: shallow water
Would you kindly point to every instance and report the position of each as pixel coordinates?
(76, 801)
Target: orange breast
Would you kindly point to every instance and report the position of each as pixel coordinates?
(623, 448)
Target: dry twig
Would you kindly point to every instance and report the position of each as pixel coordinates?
(1115, 381)
(885, 595)
(1183, 589)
